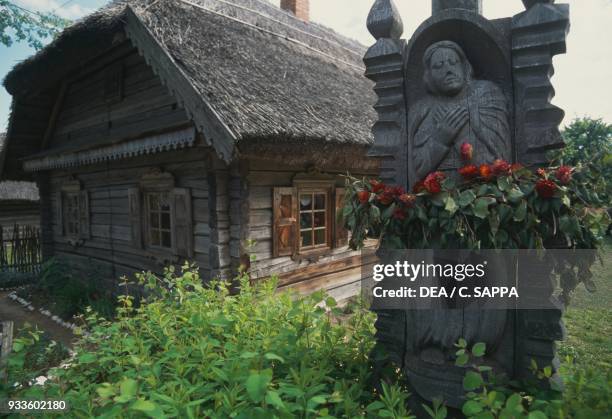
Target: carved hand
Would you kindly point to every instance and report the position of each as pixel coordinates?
(449, 125)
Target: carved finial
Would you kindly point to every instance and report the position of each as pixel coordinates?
(472, 5)
(530, 3)
(384, 20)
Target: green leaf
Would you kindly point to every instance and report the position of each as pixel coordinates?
(439, 199)
(536, 415)
(521, 212)
(472, 381)
(248, 355)
(466, 198)
(503, 183)
(462, 360)
(481, 207)
(330, 302)
(451, 205)
(471, 408)
(515, 195)
(87, 358)
(128, 387)
(257, 384)
(515, 403)
(106, 391)
(273, 357)
(148, 408)
(479, 349)
(274, 399)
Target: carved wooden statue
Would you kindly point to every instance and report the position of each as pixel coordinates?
(456, 109)
(464, 78)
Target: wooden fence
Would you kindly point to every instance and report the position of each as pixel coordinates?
(20, 249)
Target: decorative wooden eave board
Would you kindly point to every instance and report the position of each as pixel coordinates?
(206, 118)
(149, 145)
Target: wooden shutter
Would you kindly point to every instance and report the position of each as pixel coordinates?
(183, 222)
(59, 216)
(284, 228)
(84, 229)
(340, 233)
(134, 200)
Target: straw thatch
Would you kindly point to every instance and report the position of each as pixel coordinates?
(16, 191)
(262, 72)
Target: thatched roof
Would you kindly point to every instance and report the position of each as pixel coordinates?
(246, 68)
(16, 191)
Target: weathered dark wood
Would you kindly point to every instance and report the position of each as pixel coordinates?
(54, 115)
(6, 346)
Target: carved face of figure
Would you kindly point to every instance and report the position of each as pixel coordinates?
(447, 71)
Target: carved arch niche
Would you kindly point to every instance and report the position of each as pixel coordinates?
(486, 44)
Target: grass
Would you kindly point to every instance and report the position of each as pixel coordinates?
(588, 320)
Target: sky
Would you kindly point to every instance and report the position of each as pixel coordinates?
(582, 77)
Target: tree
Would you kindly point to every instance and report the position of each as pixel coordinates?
(18, 24)
(589, 146)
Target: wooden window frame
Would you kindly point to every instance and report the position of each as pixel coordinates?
(147, 212)
(156, 182)
(323, 189)
(290, 224)
(72, 189)
(181, 217)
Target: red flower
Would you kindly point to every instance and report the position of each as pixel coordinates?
(407, 199)
(485, 171)
(469, 172)
(387, 197)
(467, 151)
(541, 172)
(433, 182)
(546, 188)
(419, 187)
(398, 191)
(364, 196)
(516, 167)
(500, 167)
(399, 214)
(564, 174)
(377, 186)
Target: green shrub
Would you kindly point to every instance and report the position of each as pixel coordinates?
(66, 295)
(198, 351)
(33, 354)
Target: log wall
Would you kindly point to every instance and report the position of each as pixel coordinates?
(338, 271)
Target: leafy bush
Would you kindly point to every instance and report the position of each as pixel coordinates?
(589, 147)
(33, 354)
(66, 295)
(197, 351)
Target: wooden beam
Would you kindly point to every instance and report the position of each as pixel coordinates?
(6, 345)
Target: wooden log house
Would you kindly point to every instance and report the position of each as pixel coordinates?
(212, 131)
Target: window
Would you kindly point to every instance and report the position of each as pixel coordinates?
(306, 218)
(72, 212)
(314, 213)
(70, 206)
(159, 215)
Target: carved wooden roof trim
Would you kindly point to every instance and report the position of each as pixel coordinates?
(149, 145)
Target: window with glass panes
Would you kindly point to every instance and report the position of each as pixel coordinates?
(70, 210)
(313, 209)
(159, 219)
